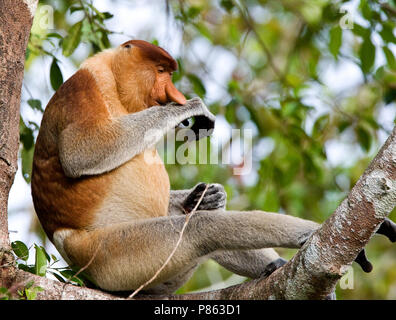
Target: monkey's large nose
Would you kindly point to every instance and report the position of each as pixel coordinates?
(173, 94)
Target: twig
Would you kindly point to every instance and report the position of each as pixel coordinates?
(249, 22)
(188, 217)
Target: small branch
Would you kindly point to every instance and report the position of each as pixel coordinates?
(249, 22)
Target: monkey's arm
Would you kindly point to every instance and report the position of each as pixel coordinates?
(95, 148)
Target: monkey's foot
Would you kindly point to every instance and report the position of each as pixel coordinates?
(388, 229)
(214, 198)
(270, 268)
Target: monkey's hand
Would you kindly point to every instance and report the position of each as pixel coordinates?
(203, 124)
(214, 198)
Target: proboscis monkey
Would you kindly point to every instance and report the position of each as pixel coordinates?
(96, 196)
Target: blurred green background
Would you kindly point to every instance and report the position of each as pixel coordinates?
(315, 81)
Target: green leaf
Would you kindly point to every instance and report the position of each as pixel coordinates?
(367, 54)
(387, 33)
(390, 58)
(107, 15)
(390, 95)
(27, 151)
(227, 5)
(364, 137)
(193, 11)
(27, 163)
(203, 30)
(41, 261)
(69, 275)
(365, 9)
(35, 104)
(54, 35)
(35, 125)
(27, 53)
(105, 40)
(4, 294)
(56, 77)
(27, 268)
(197, 84)
(72, 40)
(47, 256)
(26, 135)
(20, 249)
(31, 293)
(58, 277)
(335, 41)
(320, 124)
(360, 30)
(76, 8)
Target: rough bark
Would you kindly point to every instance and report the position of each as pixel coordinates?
(16, 17)
(311, 274)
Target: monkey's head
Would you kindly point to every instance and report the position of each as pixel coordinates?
(143, 73)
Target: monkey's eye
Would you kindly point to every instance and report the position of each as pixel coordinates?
(161, 69)
(128, 46)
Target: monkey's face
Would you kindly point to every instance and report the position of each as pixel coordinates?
(164, 90)
(143, 73)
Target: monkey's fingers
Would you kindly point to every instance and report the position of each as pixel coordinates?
(388, 229)
(361, 259)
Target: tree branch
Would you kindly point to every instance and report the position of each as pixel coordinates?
(311, 274)
(15, 21)
(316, 268)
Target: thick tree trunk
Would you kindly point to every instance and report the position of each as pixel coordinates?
(16, 18)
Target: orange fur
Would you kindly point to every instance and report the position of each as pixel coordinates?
(108, 85)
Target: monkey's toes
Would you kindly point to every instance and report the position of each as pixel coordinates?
(361, 259)
(270, 268)
(388, 229)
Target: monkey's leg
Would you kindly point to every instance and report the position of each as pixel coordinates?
(139, 249)
(388, 229)
(172, 284)
(250, 263)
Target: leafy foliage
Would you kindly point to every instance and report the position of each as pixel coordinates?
(278, 54)
(43, 265)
